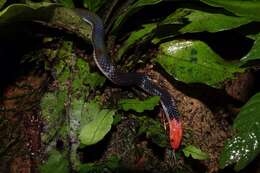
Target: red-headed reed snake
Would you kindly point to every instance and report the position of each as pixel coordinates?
(140, 80)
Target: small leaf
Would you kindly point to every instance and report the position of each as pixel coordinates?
(93, 131)
(138, 105)
(56, 163)
(195, 62)
(244, 146)
(195, 153)
(249, 8)
(254, 53)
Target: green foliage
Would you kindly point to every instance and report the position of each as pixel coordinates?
(136, 37)
(248, 8)
(65, 110)
(254, 53)
(109, 165)
(56, 163)
(153, 130)
(85, 77)
(199, 21)
(195, 62)
(95, 130)
(52, 107)
(52, 14)
(195, 153)
(139, 4)
(244, 146)
(193, 21)
(22, 12)
(68, 115)
(138, 105)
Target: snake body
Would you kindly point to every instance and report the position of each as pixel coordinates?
(140, 80)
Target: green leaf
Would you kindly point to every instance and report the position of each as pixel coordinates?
(93, 131)
(248, 8)
(185, 20)
(56, 163)
(138, 105)
(200, 21)
(131, 10)
(254, 53)
(153, 130)
(22, 12)
(195, 62)
(136, 36)
(244, 146)
(195, 153)
(52, 14)
(93, 5)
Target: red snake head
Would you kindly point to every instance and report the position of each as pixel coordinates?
(175, 129)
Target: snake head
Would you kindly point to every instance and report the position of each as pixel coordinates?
(175, 129)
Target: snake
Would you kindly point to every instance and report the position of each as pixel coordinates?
(136, 79)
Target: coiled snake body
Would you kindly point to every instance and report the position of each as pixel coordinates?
(140, 80)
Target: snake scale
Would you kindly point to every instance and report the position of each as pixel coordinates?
(140, 80)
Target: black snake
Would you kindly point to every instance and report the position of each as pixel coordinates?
(140, 80)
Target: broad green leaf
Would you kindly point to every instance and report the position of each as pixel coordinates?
(244, 146)
(131, 10)
(195, 153)
(199, 21)
(254, 53)
(22, 12)
(53, 14)
(249, 8)
(93, 5)
(195, 62)
(93, 131)
(136, 36)
(56, 163)
(138, 105)
(153, 130)
(185, 20)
